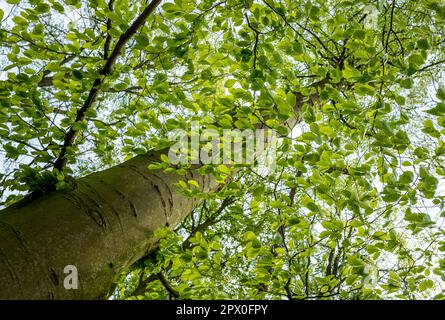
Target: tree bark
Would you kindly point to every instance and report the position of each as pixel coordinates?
(101, 226)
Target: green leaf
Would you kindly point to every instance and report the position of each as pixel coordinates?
(77, 74)
(223, 169)
(249, 236)
(426, 284)
(164, 158)
(423, 44)
(291, 99)
(364, 89)
(441, 93)
(142, 40)
(328, 131)
(229, 83)
(416, 60)
(194, 183)
(407, 177)
(284, 108)
(121, 86)
(351, 73)
(170, 7)
(58, 7)
(406, 83)
(42, 7)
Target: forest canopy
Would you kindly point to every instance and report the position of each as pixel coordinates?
(352, 207)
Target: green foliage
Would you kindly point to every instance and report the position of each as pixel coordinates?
(355, 206)
(37, 181)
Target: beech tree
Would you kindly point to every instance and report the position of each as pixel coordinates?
(92, 90)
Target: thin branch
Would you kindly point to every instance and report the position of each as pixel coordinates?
(109, 25)
(24, 143)
(173, 292)
(257, 35)
(431, 65)
(299, 34)
(210, 221)
(391, 25)
(71, 135)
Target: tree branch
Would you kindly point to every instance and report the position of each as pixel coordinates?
(210, 221)
(71, 135)
(109, 25)
(173, 292)
(257, 35)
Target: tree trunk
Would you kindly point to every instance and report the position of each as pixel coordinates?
(101, 226)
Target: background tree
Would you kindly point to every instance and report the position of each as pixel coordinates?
(353, 209)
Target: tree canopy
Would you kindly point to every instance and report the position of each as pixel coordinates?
(354, 207)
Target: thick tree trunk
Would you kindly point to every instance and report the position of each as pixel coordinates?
(101, 226)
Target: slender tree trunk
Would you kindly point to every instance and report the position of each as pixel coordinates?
(101, 226)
